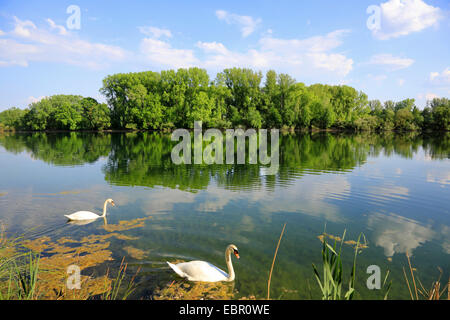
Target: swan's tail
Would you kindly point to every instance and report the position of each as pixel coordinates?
(67, 216)
(177, 270)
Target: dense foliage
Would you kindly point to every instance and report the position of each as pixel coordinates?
(59, 112)
(236, 97)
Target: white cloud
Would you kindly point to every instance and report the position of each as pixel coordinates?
(219, 57)
(440, 78)
(402, 17)
(310, 196)
(213, 47)
(161, 53)
(310, 57)
(28, 43)
(11, 63)
(445, 232)
(397, 234)
(433, 75)
(377, 78)
(431, 96)
(296, 56)
(161, 201)
(312, 44)
(246, 23)
(53, 25)
(32, 99)
(313, 52)
(23, 28)
(155, 32)
(388, 192)
(215, 199)
(440, 178)
(390, 61)
(427, 96)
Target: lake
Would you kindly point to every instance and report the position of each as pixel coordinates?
(393, 188)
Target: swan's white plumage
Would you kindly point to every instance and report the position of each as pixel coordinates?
(204, 271)
(199, 271)
(82, 215)
(87, 215)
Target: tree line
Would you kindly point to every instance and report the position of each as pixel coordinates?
(237, 97)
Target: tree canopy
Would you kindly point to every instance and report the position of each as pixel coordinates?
(236, 97)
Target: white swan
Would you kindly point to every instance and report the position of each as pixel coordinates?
(87, 215)
(85, 222)
(205, 271)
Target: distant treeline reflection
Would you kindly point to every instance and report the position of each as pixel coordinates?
(144, 158)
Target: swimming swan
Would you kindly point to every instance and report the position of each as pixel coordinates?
(205, 271)
(86, 215)
(85, 222)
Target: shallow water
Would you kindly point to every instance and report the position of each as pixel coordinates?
(392, 188)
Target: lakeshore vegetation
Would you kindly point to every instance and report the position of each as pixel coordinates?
(237, 97)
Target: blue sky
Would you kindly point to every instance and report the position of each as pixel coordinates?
(399, 49)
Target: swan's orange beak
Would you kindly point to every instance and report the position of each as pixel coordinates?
(112, 203)
(236, 253)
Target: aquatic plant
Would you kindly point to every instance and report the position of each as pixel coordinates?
(273, 262)
(25, 277)
(114, 287)
(135, 253)
(434, 293)
(37, 269)
(331, 284)
(183, 290)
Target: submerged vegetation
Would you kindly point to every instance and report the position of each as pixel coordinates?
(185, 290)
(236, 97)
(37, 269)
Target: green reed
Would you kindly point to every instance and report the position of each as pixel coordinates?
(331, 283)
(112, 293)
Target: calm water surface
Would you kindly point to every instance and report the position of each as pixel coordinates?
(393, 188)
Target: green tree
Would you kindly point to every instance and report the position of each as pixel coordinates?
(176, 98)
(96, 116)
(246, 96)
(12, 117)
(441, 113)
(404, 120)
(407, 104)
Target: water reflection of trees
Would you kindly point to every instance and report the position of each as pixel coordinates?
(66, 149)
(408, 144)
(144, 158)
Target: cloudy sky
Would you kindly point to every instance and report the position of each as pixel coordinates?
(392, 49)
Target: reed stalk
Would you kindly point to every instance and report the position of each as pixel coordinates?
(273, 262)
(113, 292)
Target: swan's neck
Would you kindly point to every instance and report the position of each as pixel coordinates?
(229, 265)
(104, 209)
